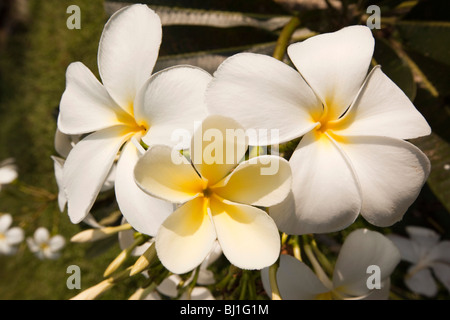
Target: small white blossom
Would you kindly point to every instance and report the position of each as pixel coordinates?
(426, 253)
(361, 249)
(10, 238)
(44, 246)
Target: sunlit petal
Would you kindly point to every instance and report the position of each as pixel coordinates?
(217, 146)
(87, 167)
(171, 103)
(186, 237)
(261, 181)
(248, 236)
(128, 50)
(335, 65)
(391, 173)
(144, 212)
(165, 173)
(263, 94)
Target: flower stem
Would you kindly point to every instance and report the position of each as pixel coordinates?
(273, 281)
(285, 36)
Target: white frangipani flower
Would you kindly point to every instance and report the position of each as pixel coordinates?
(425, 252)
(44, 246)
(8, 172)
(10, 238)
(361, 249)
(129, 103)
(217, 197)
(352, 158)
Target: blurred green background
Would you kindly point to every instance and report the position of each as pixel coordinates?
(413, 47)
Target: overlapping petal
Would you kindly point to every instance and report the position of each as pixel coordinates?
(171, 102)
(296, 281)
(335, 65)
(263, 93)
(217, 146)
(166, 174)
(261, 181)
(85, 105)
(391, 173)
(128, 50)
(87, 167)
(144, 212)
(371, 249)
(185, 237)
(382, 109)
(248, 236)
(324, 188)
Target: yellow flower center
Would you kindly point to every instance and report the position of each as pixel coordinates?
(2, 236)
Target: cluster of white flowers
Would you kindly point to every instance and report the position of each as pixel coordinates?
(188, 196)
(41, 244)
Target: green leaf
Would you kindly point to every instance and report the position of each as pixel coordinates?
(395, 67)
(220, 19)
(438, 151)
(429, 38)
(253, 6)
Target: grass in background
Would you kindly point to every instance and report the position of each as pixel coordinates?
(32, 79)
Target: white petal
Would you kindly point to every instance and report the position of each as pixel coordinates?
(168, 286)
(422, 282)
(261, 181)
(5, 222)
(144, 212)
(217, 146)
(361, 249)
(164, 173)
(171, 102)
(382, 109)
(185, 238)
(391, 173)
(41, 235)
(382, 293)
(32, 245)
(65, 142)
(406, 248)
(85, 104)
(440, 252)
(296, 281)
(263, 94)
(324, 188)
(58, 165)
(14, 235)
(424, 239)
(127, 52)
(87, 167)
(335, 65)
(8, 174)
(56, 243)
(442, 272)
(248, 236)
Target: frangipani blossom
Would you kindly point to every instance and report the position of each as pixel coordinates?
(10, 238)
(217, 197)
(352, 158)
(44, 246)
(361, 249)
(425, 252)
(130, 103)
(8, 172)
